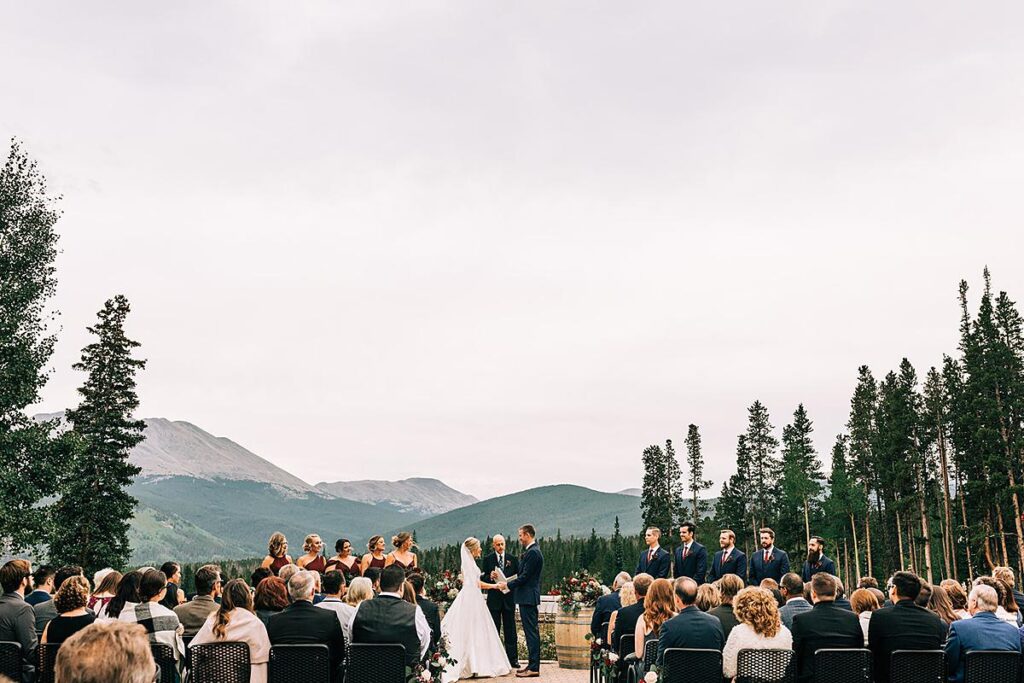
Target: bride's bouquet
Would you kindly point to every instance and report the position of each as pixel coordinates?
(576, 591)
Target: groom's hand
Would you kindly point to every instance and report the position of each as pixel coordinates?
(502, 585)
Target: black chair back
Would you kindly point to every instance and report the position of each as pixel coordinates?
(47, 658)
(842, 665)
(918, 666)
(226, 662)
(164, 656)
(650, 653)
(765, 666)
(683, 665)
(991, 666)
(10, 659)
(376, 663)
(627, 645)
(307, 663)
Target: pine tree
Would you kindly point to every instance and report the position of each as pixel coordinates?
(30, 457)
(695, 463)
(935, 419)
(92, 515)
(861, 460)
(733, 508)
(844, 503)
(801, 476)
(657, 505)
(674, 484)
(764, 467)
(617, 547)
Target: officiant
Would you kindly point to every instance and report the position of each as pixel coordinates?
(501, 605)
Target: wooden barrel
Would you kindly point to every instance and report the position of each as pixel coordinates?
(571, 642)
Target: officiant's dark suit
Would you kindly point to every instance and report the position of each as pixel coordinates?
(694, 564)
(503, 605)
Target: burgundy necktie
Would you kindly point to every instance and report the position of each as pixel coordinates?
(767, 558)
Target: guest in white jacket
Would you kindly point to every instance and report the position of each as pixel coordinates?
(236, 621)
(759, 628)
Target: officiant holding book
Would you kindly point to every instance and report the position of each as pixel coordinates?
(502, 605)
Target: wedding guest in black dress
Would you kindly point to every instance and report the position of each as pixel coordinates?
(72, 600)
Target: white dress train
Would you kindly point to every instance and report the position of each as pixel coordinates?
(473, 640)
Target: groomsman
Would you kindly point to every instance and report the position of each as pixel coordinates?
(769, 562)
(691, 558)
(816, 560)
(655, 560)
(728, 560)
(502, 605)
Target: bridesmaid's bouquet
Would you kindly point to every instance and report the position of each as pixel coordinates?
(576, 591)
(443, 588)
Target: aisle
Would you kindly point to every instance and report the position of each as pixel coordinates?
(550, 673)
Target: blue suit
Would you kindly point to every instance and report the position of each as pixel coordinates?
(526, 589)
(694, 565)
(985, 631)
(606, 604)
(659, 565)
(823, 565)
(737, 564)
(775, 568)
(691, 628)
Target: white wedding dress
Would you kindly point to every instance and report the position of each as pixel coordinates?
(473, 640)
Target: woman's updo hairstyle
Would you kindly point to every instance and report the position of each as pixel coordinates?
(472, 544)
(399, 540)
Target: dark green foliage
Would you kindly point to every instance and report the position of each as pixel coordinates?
(658, 506)
(92, 516)
(695, 463)
(800, 485)
(28, 248)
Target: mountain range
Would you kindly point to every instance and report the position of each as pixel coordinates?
(204, 497)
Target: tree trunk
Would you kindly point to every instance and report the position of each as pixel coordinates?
(1002, 534)
(1005, 436)
(967, 532)
(807, 523)
(924, 526)
(988, 540)
(899, 539)
(846, 565)
(948, 545)
(867, 529)
(856, 557)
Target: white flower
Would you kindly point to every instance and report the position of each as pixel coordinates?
(440, 584)
(441, 662)
(613, 657)
(453, 594)
(425, 676)
(598, 641)
(577, 596)
(651, 677)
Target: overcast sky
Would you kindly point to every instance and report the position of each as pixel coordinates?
(512, 244)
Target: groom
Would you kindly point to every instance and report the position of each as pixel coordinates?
(526, 587)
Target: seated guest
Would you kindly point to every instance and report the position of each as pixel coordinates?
(1010, 617)
(193, 614)
(430, 609)
(300, 623)
(729, 585)
(867, 582)
(42, 585)
(361, 589)
(287, 572)
(125, 598)
(17, 620)
(110, 652)
(864, 603)
(792, 590)
(1005, 574)
(759, 628)
(826, 625)
(258, 575)
(957, 597)
(659, 607)
(318, 594)
(72, 616)
(626, 617)
(606, 604)
(47, 611)
(389, 619)
(983, 631)
(161, 624)
(175, 596)
(333, 587)
(689, 628)
(708, 597)
(373, 574)
(313, 559)
(903, 626)
(270, 598)
(627, 597)
(105, 589)
(235, 620)
(841, 600)
(925, 595)
(277, 553)
(940, 604)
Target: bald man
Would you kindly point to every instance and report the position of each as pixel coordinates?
(501, 605)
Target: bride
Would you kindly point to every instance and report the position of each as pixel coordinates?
(472, 639)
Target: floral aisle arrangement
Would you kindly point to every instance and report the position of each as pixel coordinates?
(433, 668)
(576, 591)
(443, 588)
(603, 657)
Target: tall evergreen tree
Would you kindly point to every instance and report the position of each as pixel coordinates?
(92, 515)
(657, 505)
(733, 508)
(801, 477)
(764, 466)
(28, 248)
(861, 461)
(619, 560)
(844, 503)
(674, 484)
(695, 464)
(935, 418)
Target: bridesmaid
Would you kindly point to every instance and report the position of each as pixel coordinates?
(277, 553)
(313, 561)
(344, 561)
(402, 555)
(374, 558)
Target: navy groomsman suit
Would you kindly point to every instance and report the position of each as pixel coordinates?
(691, 562)
(822, 565)
(655, 562)
(775, 566)
(736, 564)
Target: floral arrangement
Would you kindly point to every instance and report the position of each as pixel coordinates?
(576, 591)
(443, 588)
(431, 670)
(604, 659)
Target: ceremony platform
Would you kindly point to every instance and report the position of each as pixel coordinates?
(551, 673)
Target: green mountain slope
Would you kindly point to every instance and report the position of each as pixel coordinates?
(572, 510)
(233, 517)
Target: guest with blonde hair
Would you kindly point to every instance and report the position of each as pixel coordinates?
(708, 597)
(759, 628)
(106, 651)
(313, 560)
(627, 597)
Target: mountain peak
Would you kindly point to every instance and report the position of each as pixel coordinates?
(423, 495)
